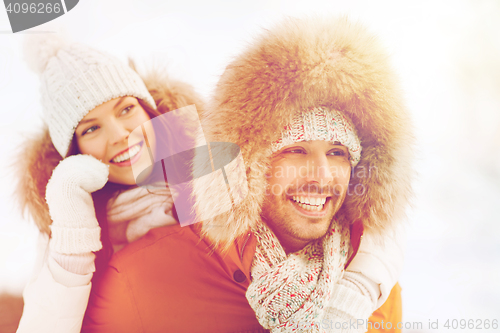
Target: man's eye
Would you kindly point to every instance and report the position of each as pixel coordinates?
(296, 151)
(337, 152)
(126, 110)
(90, 130)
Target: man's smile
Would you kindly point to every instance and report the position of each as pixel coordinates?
(311, 206)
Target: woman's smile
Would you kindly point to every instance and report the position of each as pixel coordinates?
(106, 133)
(129, 156)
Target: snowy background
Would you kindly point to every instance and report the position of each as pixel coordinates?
(447, 54)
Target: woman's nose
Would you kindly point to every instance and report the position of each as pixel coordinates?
(117, 132)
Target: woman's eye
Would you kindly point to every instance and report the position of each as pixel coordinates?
(126, 110)
(90, 130)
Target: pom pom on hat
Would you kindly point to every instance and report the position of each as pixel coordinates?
(39, 48)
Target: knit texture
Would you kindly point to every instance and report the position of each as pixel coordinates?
(358, 281)
(74, 225)
(346, 307)
(296, 288)
(81, 264)
(130, 216)
(136, 211)
(75, 80)
(380, 261)
(324, 124)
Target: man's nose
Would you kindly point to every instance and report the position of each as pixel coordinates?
(318, 169)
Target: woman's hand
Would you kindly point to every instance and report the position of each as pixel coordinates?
(74, 225)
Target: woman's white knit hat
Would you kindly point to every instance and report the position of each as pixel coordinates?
(325, 124)
(74, 80)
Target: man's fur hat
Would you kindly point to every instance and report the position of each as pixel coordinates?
(298, 65)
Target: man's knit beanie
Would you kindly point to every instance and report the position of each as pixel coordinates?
(74, 80)
(325, 124)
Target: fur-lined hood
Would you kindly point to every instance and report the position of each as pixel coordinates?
(38, 156)
(298, 65)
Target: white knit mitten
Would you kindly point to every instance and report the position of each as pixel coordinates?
(359, 282)
(74, 225)
(347, 311)
(379, 262)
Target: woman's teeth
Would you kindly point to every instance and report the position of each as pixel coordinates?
(307, 203)
(127, 155)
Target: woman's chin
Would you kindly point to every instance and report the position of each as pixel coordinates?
(135, 174)
(123, 178)
(122, 181)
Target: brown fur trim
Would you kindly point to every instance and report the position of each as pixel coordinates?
(38, 156)
(169, 94)
(35, 164)
(298, 65)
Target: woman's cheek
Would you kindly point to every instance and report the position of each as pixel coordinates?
(97, 150)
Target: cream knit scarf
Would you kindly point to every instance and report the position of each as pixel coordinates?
(134, 212)
(291, 291)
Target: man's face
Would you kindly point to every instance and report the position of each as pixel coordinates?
(307, 185)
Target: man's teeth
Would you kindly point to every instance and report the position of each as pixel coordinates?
(307, 203)
(309, 200)
(127, 155)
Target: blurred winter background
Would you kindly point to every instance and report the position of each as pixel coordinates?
(447, 54)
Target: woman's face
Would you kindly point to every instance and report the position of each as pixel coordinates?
(104, 133)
